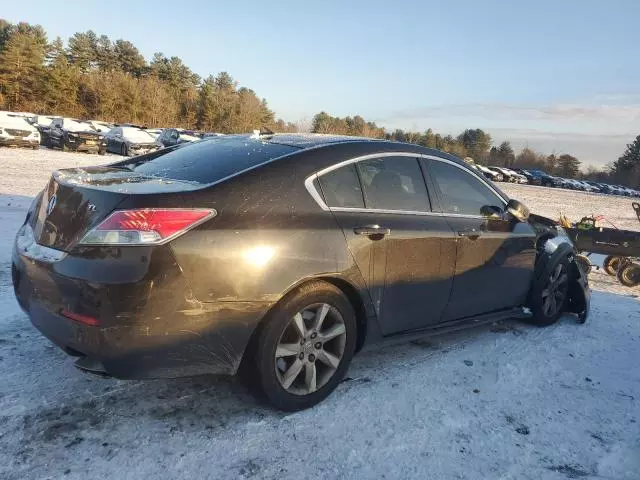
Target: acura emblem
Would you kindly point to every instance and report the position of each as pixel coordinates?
(51, 205)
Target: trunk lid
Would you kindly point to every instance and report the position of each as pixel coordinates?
(76, 200)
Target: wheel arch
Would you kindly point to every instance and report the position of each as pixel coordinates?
(346, 287)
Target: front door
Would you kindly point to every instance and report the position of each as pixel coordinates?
(495, 253)
(405, 254)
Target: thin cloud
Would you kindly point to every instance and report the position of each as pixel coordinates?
(502, 111)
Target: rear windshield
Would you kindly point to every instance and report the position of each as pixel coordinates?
(207, 161)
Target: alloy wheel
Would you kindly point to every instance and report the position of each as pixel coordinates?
(310, 349)
(554, 295)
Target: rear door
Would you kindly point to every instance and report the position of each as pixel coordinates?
(495, 254)
(405, 254)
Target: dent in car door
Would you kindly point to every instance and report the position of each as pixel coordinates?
(419, 255)
(495, 253)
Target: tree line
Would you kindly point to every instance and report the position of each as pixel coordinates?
(97, 78)
(94, 77)
(477, 145)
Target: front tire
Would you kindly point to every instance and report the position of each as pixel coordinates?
(629, 275)
(549, 294)
(306, 346)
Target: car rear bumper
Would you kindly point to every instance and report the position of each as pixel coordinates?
(151, 329)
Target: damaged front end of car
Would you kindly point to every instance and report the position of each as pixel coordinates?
(552, 244)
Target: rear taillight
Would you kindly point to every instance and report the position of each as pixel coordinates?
(148, 226)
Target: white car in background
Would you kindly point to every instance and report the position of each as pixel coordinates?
(490, 174)
(102, 127)
(510, 175)
(520, 178)
(15, 131)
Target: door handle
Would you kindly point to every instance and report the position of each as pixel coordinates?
(372, 230)
(471, 234)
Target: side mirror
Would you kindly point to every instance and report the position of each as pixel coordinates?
(518, 210)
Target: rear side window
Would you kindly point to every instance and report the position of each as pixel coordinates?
(393, 183)
(207, 161)
(460, 191)
(341, 187)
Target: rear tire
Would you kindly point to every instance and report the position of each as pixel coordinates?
(549, 293)
(629, 275)
(305, 347)
(611, 265)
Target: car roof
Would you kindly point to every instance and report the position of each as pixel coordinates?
(310, 140)
(306, 141)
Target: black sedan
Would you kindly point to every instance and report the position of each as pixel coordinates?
(176, 136)
(280, 256)
(130, 141)
(74, 135)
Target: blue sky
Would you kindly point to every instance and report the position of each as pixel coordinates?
(559, 75)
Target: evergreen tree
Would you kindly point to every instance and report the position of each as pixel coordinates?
(476, 142)
(61, 82)
(626, 169)
(568, 166)
(21, 63)
(82, 50)
(128, 58)
(505, 152)
(5, 32)
(105, 54)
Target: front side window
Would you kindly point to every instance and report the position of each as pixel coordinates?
(460, 191)
(393, 183)
(341, 188)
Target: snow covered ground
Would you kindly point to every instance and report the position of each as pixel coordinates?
(506, 401)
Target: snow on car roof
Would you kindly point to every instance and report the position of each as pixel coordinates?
(137, 135)
(12, 121)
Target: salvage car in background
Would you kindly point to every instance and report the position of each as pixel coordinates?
(17, 132)
(280, 256)
(70, 134)
(130, 141)
(102, 127)
(176, 136)
(155, 132)
(490, 174)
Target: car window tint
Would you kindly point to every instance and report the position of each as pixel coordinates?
(393, 183)
(208, 161)
(341, 187)
(461, 192)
